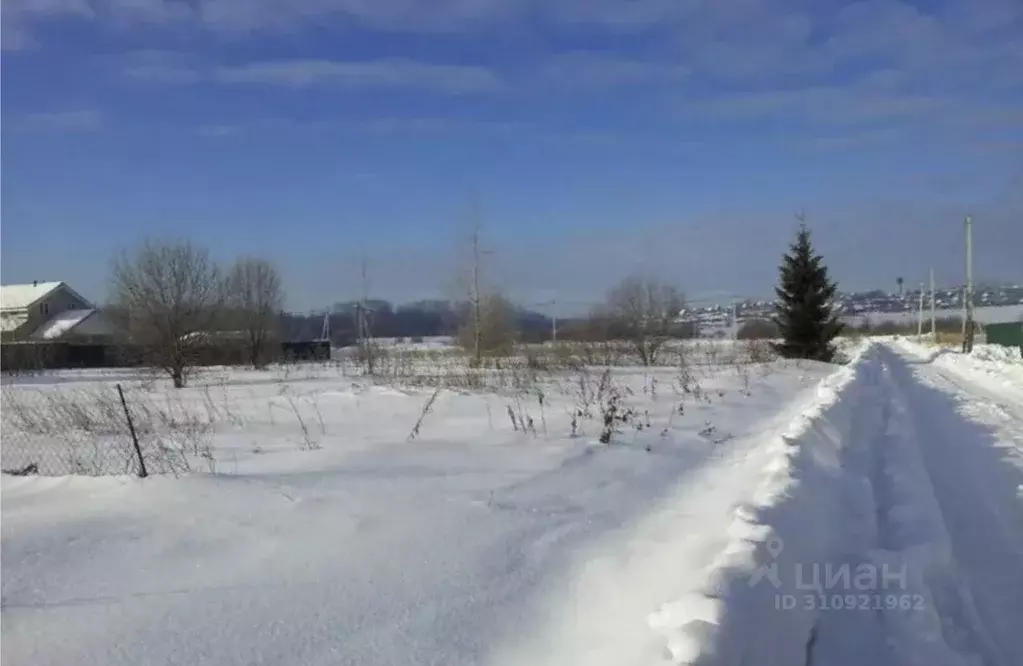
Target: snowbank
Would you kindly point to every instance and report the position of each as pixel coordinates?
(989, 367)
(789, 522)
(684, 584)
(998, 354)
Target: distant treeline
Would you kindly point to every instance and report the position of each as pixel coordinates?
(32, 356)
(412, 320)
(443, 318)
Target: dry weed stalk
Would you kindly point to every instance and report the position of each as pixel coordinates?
(422, 415)
(307, 441)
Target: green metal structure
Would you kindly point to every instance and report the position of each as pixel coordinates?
(1008, 334)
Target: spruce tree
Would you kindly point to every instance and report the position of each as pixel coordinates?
(804, 311)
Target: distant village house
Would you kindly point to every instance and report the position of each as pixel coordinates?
(50, 311)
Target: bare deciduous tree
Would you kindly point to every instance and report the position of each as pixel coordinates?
(169, 293)
(488, 327)
(254, 296)
(476, 298)
(470, 278)
(364, 314)
(644, 312)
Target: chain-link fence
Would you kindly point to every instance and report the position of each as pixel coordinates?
(96, 431)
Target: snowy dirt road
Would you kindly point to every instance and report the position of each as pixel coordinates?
(932, 498)
(969, 428)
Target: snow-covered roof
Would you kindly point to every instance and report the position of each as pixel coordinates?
(60, 324)
(215, 335)
(20, 296)
(12, 321)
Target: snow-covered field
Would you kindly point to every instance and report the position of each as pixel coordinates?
(743, 513)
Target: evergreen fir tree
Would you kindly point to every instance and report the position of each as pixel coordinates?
(805, 312)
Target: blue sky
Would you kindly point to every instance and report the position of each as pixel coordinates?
(600, 138)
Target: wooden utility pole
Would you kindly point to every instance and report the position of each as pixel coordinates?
(475, 290)
(934, 317)
(968, 324)
(477, 306)
(920, 314)
(365, 337)
(554, 316)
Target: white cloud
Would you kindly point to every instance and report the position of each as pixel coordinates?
(388, 73)
(379, 126)
(48, 7)
(128, 13)
(432, 125)
(858, 105)
(79, 120)
(957, 63)
(18, 16)
(599, 71)
(611, 13)
(567, 71)
(433, 16)
(738, 40)
(15, 37)
(400, 15)
(157, 66)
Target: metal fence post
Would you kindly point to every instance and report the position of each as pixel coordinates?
(134, 438)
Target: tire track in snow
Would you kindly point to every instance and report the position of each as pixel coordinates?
(973, 560)
(894, 516)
